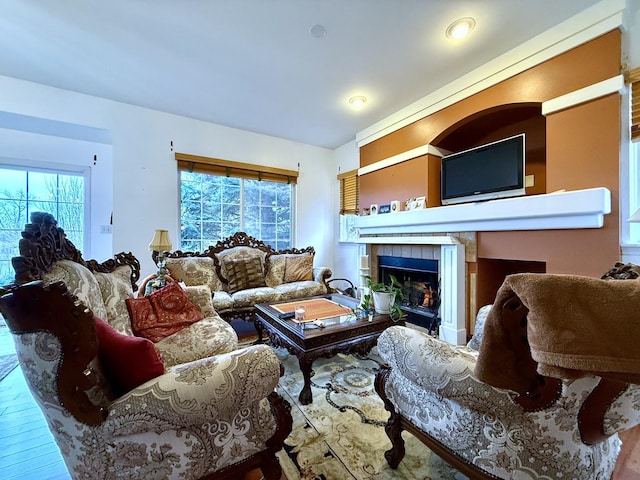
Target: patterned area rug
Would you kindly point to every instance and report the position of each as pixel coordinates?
(340, 436)
(7, 364)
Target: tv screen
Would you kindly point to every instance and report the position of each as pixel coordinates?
(494, 170)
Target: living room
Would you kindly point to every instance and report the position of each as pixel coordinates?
(136, 166)
(130, 151)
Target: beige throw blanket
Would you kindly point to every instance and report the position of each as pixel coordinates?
(576, 326)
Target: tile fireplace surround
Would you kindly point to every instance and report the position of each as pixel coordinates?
(428, 234)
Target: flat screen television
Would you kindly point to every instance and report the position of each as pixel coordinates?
(487, 172)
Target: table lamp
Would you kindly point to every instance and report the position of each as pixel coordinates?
(161, 244)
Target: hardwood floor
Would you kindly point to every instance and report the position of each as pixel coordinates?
(28, 451)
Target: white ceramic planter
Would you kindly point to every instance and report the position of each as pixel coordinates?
(382, 302)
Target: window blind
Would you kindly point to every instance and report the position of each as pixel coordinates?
(216, 166)
(634, 79)
(349, 192)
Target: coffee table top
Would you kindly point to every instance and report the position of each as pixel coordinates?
(326, 315)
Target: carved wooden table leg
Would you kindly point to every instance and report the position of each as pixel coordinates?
(305, 362)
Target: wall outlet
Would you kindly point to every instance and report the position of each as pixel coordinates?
(105, 228)
(529, 181)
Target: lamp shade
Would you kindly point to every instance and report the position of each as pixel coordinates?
(635, 218)
(160, 242)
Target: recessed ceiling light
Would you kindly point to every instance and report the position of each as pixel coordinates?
(318, 31)
(460, 28)
(358, 101)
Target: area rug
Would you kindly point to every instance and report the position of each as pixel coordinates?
(7, 364)
(340, 436)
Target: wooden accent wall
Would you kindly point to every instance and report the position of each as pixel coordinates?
(571, 149)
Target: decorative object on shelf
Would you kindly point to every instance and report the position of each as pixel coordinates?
(385, 208)
(365, 211)
(161, 244)
(373, 209)
(387, 297)
(417, 203)
(395, 206)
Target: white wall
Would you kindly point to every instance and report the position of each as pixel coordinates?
(346, 255)
(145, 180)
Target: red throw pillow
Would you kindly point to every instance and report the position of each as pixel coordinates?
(163, 313)
(127, 361)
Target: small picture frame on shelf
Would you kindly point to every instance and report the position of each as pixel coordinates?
(417, 203)
(373, 209)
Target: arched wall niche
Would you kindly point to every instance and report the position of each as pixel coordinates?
(500, 122)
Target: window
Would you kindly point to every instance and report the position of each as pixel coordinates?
(633, 78)
(634, 191)
(349, 205)
(219, 198)
(349, 192)
(26, 190)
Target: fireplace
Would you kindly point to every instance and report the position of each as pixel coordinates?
(447, 253)
(420, 287)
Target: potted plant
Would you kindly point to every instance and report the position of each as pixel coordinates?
(365, 303)
(386, 296)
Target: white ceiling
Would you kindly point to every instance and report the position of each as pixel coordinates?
(252, 64)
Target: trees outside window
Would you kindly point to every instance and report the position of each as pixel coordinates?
(23, 191)
(214, 207)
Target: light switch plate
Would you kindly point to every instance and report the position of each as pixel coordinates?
(529, 181)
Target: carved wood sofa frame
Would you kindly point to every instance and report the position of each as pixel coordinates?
(43, 244)
(541, 392)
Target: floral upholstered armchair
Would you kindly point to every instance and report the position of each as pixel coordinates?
(500, 413)
(118, 405)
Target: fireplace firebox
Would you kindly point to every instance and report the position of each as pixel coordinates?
(420, 288)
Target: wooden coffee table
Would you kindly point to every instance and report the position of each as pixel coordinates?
(323, 338)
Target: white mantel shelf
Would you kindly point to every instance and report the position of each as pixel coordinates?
(551, 211)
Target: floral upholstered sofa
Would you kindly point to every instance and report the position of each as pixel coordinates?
(537, 427)
(190, 406)
(242, 271)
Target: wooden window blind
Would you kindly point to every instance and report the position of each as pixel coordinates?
(634, 79)
(216, 166)
(349, 192)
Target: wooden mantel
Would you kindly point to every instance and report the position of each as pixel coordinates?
(562, 210)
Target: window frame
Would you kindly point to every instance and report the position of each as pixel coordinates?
(65, 170)
(242, 205)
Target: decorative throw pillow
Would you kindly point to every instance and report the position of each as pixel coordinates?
(298, 268)
(200, 296)
(126, 361)
(163, 313)
(243, 273)
(274, 269)
(194, 271)
(116, 288)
